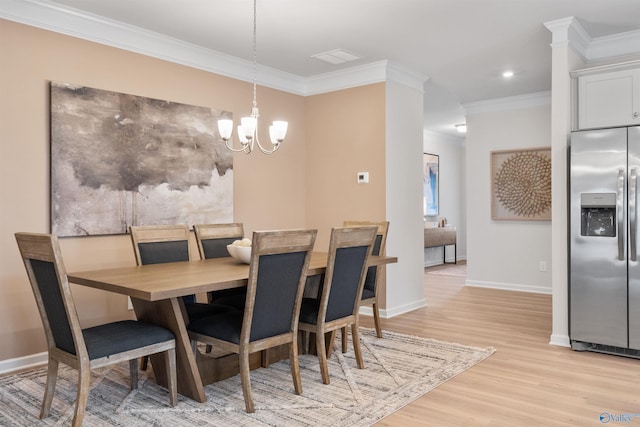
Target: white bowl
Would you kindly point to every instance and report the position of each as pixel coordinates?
(241, 253)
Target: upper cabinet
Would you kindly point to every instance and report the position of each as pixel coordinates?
(609, 99)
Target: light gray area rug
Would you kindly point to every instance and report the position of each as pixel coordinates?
(458, 270)
(398, 369)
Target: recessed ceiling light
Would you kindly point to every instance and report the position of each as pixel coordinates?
(462, 128)
(336, 56)
(507, 74)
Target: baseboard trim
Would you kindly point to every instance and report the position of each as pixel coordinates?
(509, 286)
(395, 311)
(560, 340)
(431, 263)
(24, 362)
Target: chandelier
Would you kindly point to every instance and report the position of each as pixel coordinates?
(248, 128)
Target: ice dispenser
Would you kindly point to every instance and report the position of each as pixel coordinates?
(598, 211)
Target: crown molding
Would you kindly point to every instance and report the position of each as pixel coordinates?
(615, 46)
(374, 72)
(509, 103)
(73, 22)
(569, 32)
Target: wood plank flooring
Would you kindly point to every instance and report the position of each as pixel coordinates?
(527, 381)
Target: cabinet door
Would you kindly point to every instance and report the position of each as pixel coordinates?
(609, 99)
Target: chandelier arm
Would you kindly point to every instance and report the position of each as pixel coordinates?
(247, 148)
(264, 150)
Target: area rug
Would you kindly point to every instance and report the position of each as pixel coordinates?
(458, 270)
(398, 369)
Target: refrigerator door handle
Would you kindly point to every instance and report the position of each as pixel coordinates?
(620, 211)
(633, 214)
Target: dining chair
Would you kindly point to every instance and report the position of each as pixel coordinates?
(339, 302)
(277, 272)
(373, 279)
(156, 244)
(90, 348)
(212, 242)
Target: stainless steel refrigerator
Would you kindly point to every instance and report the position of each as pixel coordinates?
(604, 292)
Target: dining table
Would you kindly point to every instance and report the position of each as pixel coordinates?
(156, 291)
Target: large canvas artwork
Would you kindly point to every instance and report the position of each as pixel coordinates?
(119, 160)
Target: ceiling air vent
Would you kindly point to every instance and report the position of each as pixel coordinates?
(336, 56)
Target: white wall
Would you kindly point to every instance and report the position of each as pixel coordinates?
(452, 192)
(405, 289)
(504, 254)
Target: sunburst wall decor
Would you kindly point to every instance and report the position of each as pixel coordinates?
(521, 184)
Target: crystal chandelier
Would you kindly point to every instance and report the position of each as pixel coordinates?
(248, 128)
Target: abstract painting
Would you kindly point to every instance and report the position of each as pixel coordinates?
(521, 184)
(430, 169)
(119, 160)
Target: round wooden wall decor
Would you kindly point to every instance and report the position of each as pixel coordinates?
(522, 185)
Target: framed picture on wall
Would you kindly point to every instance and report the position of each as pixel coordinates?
(521, 184)
(431, 178)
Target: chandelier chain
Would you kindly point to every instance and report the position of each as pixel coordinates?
(255, 55)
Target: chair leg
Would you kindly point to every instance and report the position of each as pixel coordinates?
(376, 319)
(344, 339)
(52, 376)
(133, 373)
(322, 356)
(264, 358)
(145, 363)
(295, 366)
(329, 339)
(170, 361)
(246, 381)
(304, 342)
(356, 345)
(84, 381)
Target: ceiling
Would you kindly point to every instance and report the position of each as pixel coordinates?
(461, 45)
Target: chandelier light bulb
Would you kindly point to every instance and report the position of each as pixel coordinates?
(225, 127)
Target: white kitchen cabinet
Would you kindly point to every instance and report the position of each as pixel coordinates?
(609, 99)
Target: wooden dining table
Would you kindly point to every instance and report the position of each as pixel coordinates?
(155, 291)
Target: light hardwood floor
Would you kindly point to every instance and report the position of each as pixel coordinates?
(527, 381)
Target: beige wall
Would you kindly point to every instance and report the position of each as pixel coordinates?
(345, 133)
(310, 182)
(269, 191)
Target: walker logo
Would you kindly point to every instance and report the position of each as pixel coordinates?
(607, 417)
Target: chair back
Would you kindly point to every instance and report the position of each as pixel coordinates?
(379, 248)
(349, 250)
(277, 274)
(43, 261)
(213, 239)
(156, 244)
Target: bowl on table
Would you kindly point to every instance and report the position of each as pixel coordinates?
(241, 253)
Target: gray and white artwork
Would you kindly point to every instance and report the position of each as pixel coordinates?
(119, 160)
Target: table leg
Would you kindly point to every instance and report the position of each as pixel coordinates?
(169, 313)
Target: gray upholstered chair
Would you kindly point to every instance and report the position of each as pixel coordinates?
(156, 244)
(374, 276)
(212, 239)
(84, 349)
(212, 242)
(277, 272)
(339, 302)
